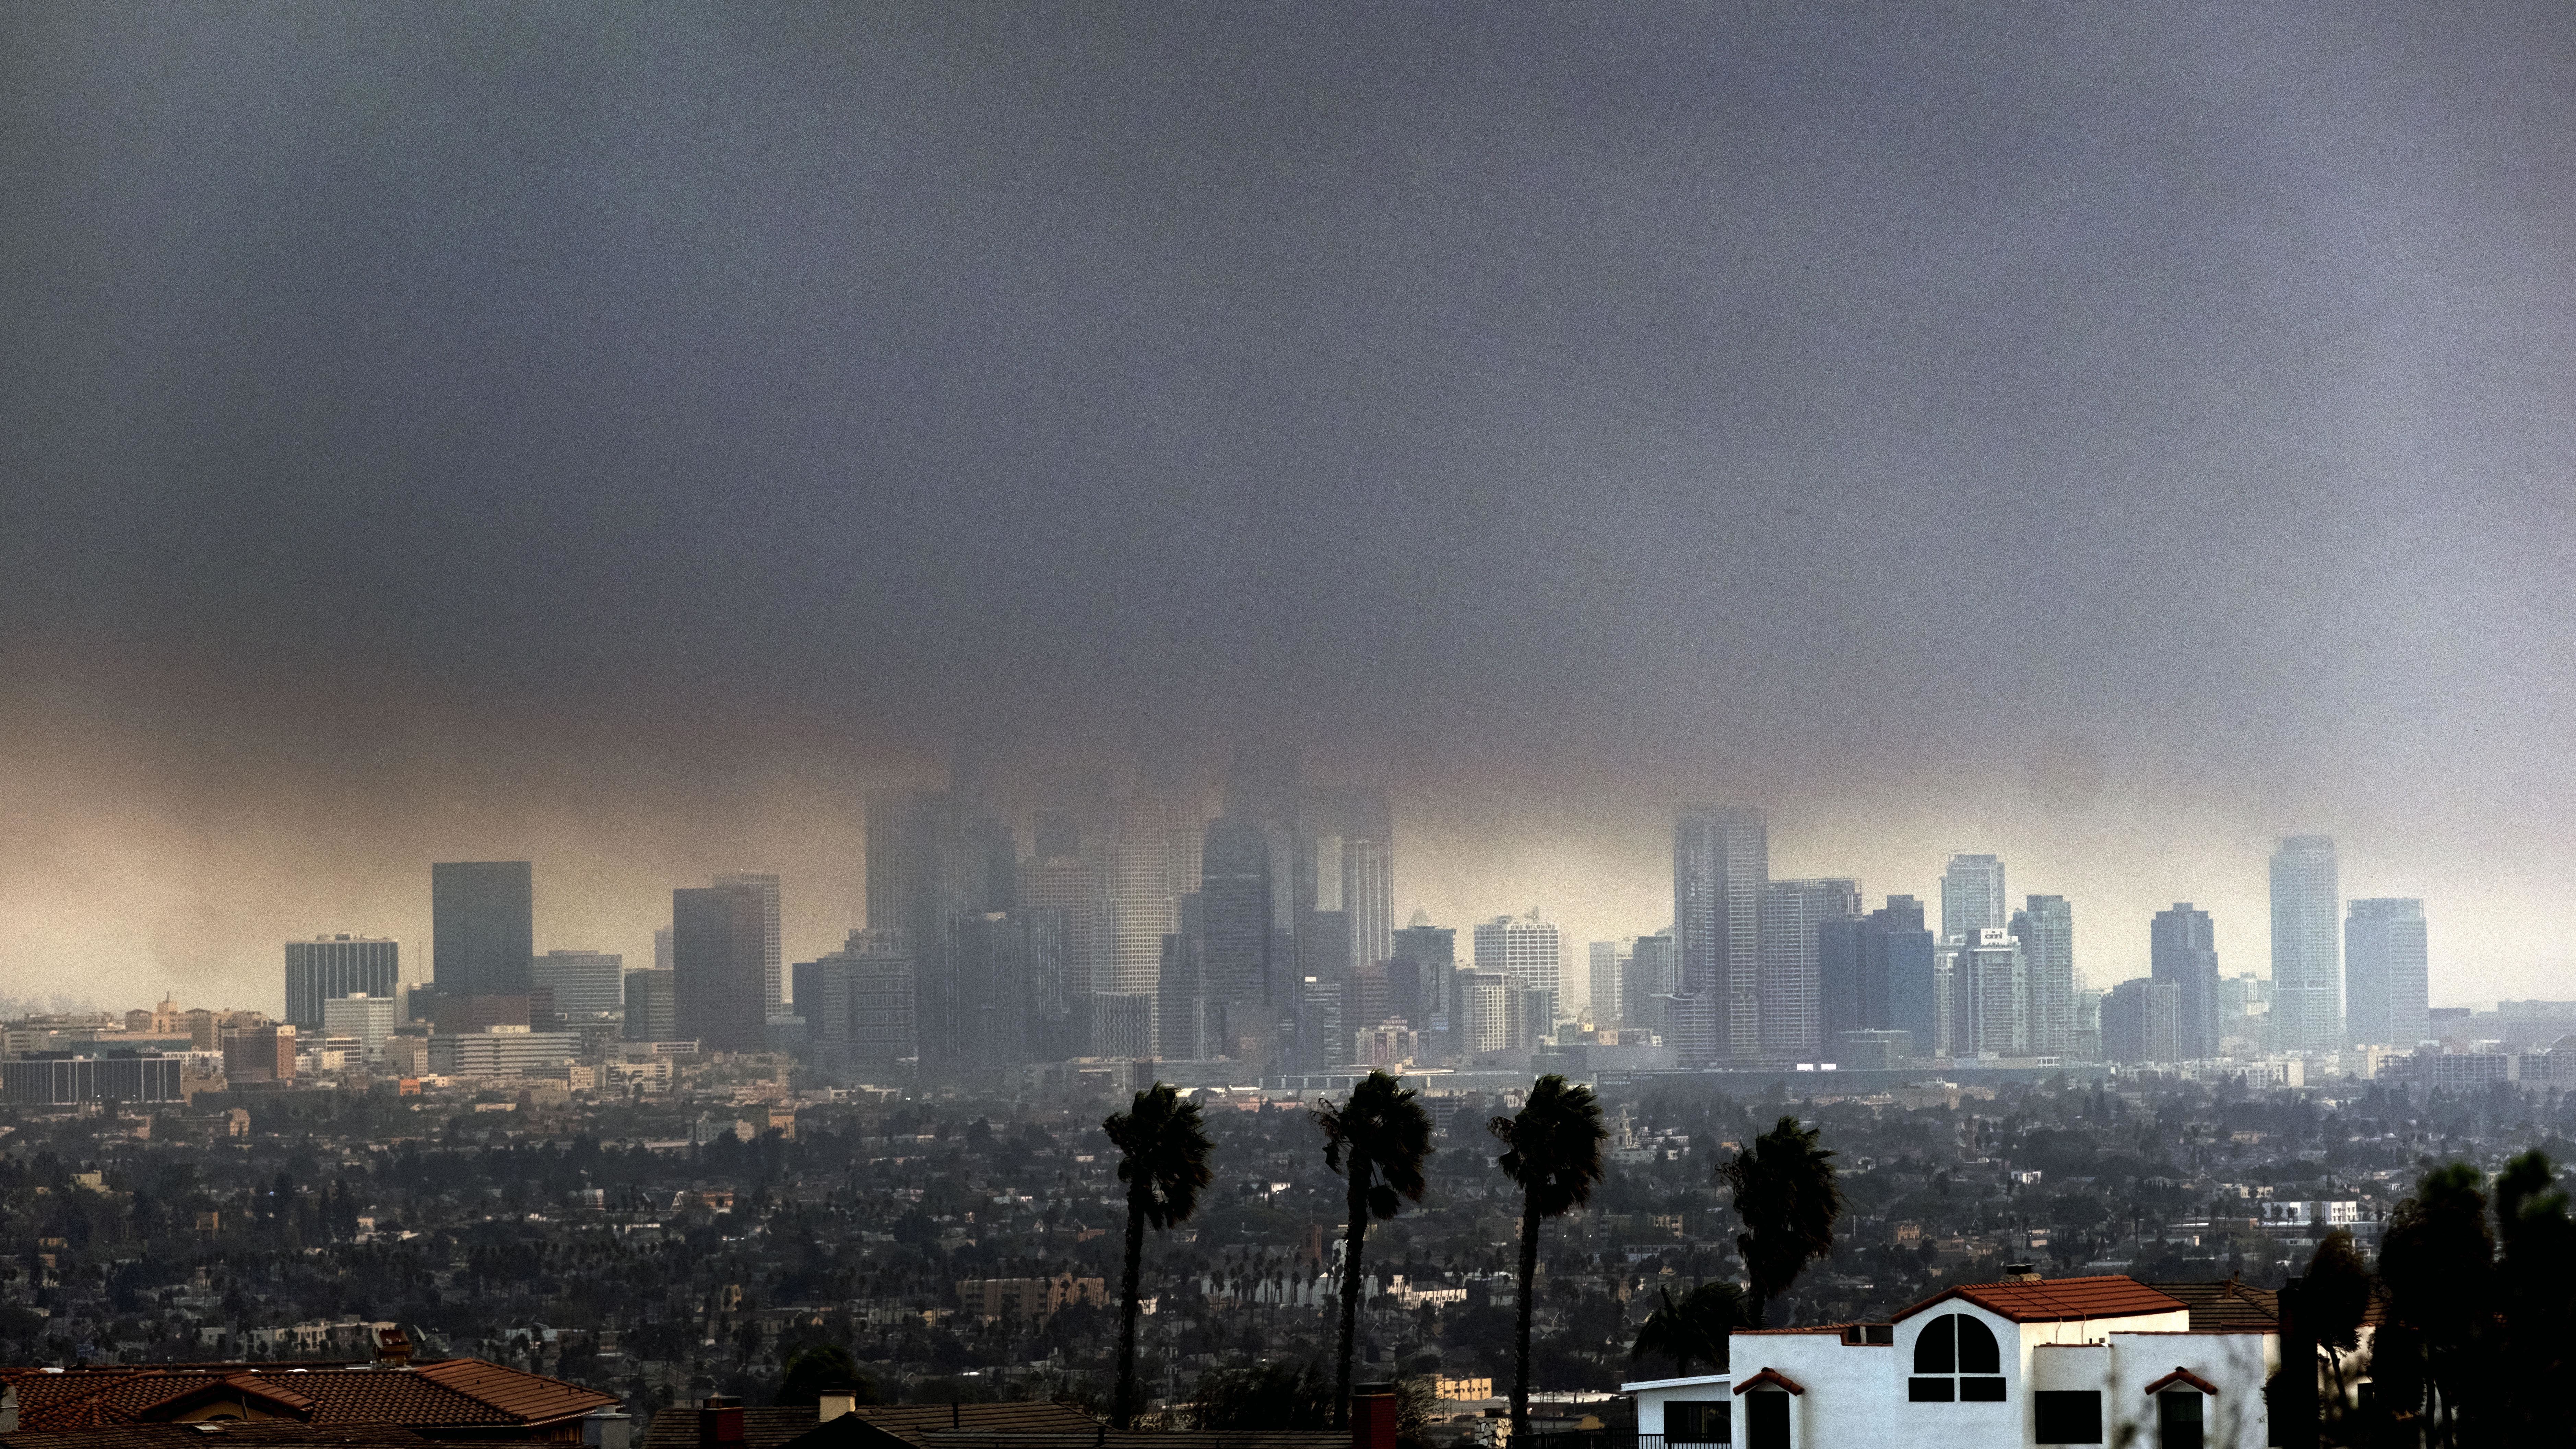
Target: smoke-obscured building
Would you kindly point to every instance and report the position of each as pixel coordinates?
(328, 967)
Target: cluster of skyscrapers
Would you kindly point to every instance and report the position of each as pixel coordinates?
(1134, 925)
(1757, 970)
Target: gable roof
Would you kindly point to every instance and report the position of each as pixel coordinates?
(1770, 1378)
(2182, 1376)
(871, 1426)
(2225, 1304)
(458, 1393)
(216, 1434)
(2058, 1300)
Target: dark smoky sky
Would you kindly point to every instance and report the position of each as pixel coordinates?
(618, 436)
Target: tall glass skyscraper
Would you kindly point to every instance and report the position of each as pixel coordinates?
(1792, 995)
(2386, 973)
(482, 927)
(2307, 946)
(1972, 896)
(2045, 926)
(1721, 862)
(2181, 953)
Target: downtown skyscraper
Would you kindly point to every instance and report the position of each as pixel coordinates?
(2045, 926)
(2182, 953)
(482, 927)
(772, 966)
(1794, 913)
(2307, 945)
(1721, 862)
(1972, 896)
(2387, 983)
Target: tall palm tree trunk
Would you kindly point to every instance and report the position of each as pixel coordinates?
(1353, 1235)
(1123, 1408)
(1528, 1297)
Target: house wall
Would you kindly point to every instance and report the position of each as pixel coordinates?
(1653, 1394)
(2236, 1363)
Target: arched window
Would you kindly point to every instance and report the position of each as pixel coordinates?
(1956, 1359)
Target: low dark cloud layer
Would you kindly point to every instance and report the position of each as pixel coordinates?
(2112, 437)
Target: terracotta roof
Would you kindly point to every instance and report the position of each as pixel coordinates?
(1771, 1376)
(874, 1424)
(2182, 1375)
(2226, 1304)
(214, 1434)
(1100, 1438)
(456, 1393)
(526, 1397)
(2058, 1300)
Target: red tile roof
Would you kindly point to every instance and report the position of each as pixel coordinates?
(456, 1393)
(2058, 1300)
(2181, 1375)
(1770, 1376)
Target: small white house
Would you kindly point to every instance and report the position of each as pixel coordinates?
(2026, 1361)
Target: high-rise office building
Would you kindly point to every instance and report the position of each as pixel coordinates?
(1143, 907)
(1651, 972)
(2140, 1020)
(2182, 952)
(1898, 950)
(1067, 885)
(1234, 915)
(930, 867)
(367, 1019)
(1368, 897)
(1484, 1012)
(1609, 970)
(329, 967)
(1525, 950)
(2387, 975)
(1792, 915)
(2307, 945)
(589, 987)
(1972, 895)
(2045, 926)
(2245, 1013)
(1989, 993)
(857, 1005)
(1181, 1005)
(771, 968)
(1721, 861)
(661, 948)
(717, 935)
(652, 1005)
(1422, 979)
(483, 927)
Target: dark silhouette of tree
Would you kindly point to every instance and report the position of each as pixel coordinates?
(1693, 1328)
(2438, 1260)
(2537, 1297)
(1377, 1141)
(1163, 1158)
(2333, 1299)
(1552, 1148)
(819, 1369)
(1268, 1396)
(1787, 1198)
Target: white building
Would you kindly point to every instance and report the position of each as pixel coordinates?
(2307, 946)
(2024, 1362)
(369, 1019)
(1610, 963)
(1525, 950)
(501, 1051)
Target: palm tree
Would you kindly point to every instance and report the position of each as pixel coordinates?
(1553, 1150)
(1693, 1328)
(1163, 1158)
(1787, 1197)
(1376, 1140)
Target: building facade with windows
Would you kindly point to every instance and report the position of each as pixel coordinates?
(2027, 1361)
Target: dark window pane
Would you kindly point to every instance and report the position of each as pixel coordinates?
(1977, 1351)
(1981, 1391)
(1937, 1351)
(1928, 1391)
(1766, 1420)
(2067, 1416)
(1695, 1421)
(2178, 1419)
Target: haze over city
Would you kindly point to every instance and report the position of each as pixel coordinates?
(619, 440)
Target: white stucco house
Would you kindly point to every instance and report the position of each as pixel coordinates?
(2026, 1361)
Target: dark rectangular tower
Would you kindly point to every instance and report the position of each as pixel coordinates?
(483, 927)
